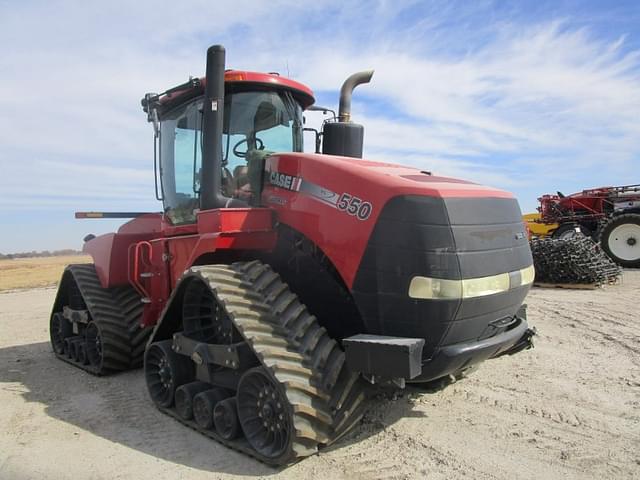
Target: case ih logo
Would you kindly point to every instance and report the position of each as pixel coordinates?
(282, 180)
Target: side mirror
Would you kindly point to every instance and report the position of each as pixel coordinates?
(149, 103)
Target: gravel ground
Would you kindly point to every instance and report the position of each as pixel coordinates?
(570, 408)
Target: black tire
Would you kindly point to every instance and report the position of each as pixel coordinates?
(204, 403)
(225, 418)
(165, 371)
(620, 239)
(184, 398)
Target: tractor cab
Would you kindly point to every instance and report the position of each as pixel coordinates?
(262, 115)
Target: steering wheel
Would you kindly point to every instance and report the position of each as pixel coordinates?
(239, 154)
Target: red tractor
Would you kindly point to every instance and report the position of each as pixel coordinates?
(275, 285)
(610, 215)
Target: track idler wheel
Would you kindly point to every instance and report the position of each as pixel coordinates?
(165, 371)
(225, 418)
(264, 413)
(184, 398)
(203, 405)
(60, 329)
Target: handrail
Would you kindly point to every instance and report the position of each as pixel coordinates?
(136, 262)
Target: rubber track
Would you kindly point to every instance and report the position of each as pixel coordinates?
(117, 311)
(326, 399)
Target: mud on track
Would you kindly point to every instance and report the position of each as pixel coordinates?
(570, 408)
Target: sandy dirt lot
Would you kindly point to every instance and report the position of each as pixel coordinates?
(570, 408)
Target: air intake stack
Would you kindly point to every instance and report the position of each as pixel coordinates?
(211, 195)
(344, 137)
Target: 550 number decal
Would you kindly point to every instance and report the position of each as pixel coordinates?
(354, 206)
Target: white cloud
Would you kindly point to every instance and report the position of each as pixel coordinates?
(531, 107)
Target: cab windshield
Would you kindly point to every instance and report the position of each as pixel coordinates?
(255, 123)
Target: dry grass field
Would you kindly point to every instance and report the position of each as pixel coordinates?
(35, 272)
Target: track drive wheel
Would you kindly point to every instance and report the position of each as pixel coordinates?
(265, 414)
(620, 239)
(165, 371)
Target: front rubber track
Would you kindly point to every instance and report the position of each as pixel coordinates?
(296, 352)
(117, 311)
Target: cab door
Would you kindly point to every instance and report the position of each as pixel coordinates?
(180, 162)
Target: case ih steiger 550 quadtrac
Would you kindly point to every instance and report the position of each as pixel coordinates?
(275, 285)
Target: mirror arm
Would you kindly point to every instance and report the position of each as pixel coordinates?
(317, 137)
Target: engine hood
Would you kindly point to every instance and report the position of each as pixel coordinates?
(336, 201)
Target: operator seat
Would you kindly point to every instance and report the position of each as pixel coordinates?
(240, 177)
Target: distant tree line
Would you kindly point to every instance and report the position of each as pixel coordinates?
(44, 253)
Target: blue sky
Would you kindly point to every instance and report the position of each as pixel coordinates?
(532, 97)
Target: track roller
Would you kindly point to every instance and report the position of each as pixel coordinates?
(204, 403)
(225, 418)
(185, 395)
(74, 346)
(81, 354)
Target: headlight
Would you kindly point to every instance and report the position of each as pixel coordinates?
(439, 288)
(527, 275)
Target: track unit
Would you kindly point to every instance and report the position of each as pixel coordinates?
(97, 329)
(274, 386)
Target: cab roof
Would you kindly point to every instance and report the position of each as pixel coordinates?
(239, 78)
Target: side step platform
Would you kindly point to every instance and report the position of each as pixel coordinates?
(94, 328)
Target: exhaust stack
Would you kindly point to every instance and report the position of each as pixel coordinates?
(344, 111)
(344, 137)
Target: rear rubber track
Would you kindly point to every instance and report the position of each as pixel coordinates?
(298, 354)
(116, 311)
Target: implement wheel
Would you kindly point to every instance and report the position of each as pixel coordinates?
(620, 239)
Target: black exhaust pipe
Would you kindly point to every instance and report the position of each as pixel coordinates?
(212, 124)
(344, 111)
(345, 138)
